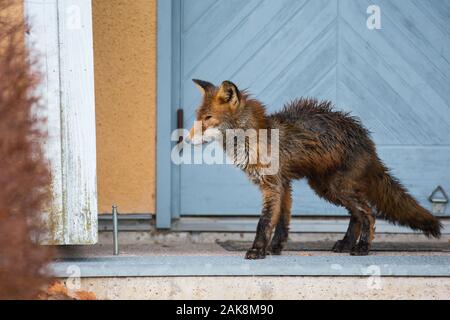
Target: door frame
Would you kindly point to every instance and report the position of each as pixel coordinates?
(168, 85)
(166, 173)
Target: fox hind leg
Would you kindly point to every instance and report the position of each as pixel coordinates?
(367, 232)
(339, 191)
(347, 189)
(351, 236)
(364, 216)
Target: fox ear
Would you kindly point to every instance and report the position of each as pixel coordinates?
(205, 87)
(229, 93)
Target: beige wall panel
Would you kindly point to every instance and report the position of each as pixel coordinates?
(125, 83)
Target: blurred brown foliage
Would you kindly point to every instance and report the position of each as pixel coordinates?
(59, 291)
(24, 174)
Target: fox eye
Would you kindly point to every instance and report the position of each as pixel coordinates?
(207, 118)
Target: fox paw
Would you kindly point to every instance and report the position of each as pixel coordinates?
(276, 250)
(342, 246)
(255, 254)
(361, 249)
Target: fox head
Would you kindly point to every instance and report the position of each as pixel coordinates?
(226, 109)
(219, 109)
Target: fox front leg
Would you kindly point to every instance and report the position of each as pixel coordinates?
(282, 229)
(269, 218)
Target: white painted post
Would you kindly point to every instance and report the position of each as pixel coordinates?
(61, 31)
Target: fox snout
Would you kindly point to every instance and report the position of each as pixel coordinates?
(195, 136)
(201, 135)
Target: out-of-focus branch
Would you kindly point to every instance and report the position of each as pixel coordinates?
(24, 174)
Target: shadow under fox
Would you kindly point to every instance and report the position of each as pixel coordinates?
(332, 150)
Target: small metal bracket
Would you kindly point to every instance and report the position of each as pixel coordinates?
(115, 230)
(180, 124)
(438, 203)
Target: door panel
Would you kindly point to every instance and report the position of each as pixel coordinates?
(395, 79)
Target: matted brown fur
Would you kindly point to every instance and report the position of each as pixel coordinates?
(332, 150)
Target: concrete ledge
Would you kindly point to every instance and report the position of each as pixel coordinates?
(268, 288)
(175, 266)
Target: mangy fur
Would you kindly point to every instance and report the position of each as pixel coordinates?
(332, 151)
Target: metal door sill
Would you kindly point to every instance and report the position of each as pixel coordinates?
(210, 266)
(298, 225)
(305, 224)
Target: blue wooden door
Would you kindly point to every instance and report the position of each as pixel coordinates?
(397, 79)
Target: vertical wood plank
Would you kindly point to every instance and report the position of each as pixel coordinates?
(164, 115)
(61, 33)
(177, 25)
(78, 121)
(43, 37)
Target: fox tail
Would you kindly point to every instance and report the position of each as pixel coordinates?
(395, 204)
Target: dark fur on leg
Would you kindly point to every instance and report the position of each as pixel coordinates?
(362, 248)
(280, 237)
(269, 218)
(282, 229)
(351, 236)
(258, 250)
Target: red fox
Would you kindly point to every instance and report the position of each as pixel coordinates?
(332, 150)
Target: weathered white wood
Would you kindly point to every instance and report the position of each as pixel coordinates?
(78, 121)
(43, 37)
(62, 33)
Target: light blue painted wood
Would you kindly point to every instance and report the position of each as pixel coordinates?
(421, 169)
(383, 69)
(177, 25)
(264, 48)
(396, 79)
(164, 115)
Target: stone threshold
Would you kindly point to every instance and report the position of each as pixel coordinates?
(401, 265)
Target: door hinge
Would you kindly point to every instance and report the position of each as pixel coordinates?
(180, 124)
(439, 200)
